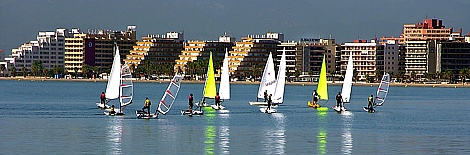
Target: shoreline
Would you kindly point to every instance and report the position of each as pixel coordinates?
(336, 83)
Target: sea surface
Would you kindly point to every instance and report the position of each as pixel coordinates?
(54, 117)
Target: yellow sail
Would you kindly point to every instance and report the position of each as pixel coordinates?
(322, 89)
(210, 88)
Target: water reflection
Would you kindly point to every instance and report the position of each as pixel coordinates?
(114, 137)
(275, 139)
(347, 140)
(321, 137)
(224, 134)
(210, 133)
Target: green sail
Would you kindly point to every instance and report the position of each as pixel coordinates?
(322, 83)
(210, 88)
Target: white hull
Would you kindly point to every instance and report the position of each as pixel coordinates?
(220, 107)
(195, 112)
(264, 110)
(117, 112)
(143, 115)
(102, 106)
(202, 104)
(338, 109)
(367, 109)
(262, 104)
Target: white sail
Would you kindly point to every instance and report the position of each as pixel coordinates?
(112, 89)
(127, 88)
(347, 85)
(224, 87)
(382, 90)
(170, 95)
(268, 81)
(278, 96)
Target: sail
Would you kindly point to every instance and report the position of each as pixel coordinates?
(281, 80)
(127, 88)
(112, 89)
(322, 88)
(268, 81)
(224, 87)
(210, 88)
(347, 85)
(170, 95)
(382, 90)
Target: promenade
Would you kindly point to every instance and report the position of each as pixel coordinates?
(336, 83)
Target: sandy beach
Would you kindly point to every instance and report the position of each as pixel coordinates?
(28, 78)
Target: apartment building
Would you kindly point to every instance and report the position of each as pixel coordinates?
(453, 55)
(74, 51)
(364, 56)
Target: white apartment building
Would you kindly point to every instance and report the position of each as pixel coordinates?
(364, 55)
(48, 48)
(419, 58)
(74, 51)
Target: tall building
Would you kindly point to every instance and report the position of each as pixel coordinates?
(156, 50)
(294, 52)
(390, 57)
(74, 51)
(313, 51)
(100, 46)
(364, 55)
(452, 55)
(47, 49)
(199, 50)
(420, 58)
(249, 55)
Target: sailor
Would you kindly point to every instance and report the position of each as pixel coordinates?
(217, 100)
(191, 103)
(147, 104)
(103, 99)
(111, 111)
(315, 98)
(370, 106)
(339, 101)
(269, 102)
(265, 95)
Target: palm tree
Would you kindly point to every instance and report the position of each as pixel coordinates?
(400, 75)
(355, 75)
(448, 74)
(13, 71)
(45, 72)
(378, 75)
(464, 72)
(254, 70)
(23, 70)
(332, 73)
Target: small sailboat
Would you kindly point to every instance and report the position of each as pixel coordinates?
(278, 97)
(382, 92)
(119, 86)
(224, 86)
(347, 85)
(322, 87)
(268, 82)
(167, 100)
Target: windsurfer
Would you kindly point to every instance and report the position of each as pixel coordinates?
(339, 101)
(370, 106)
(103, 99)
(217, 100)
(147, 104)
(191, 103)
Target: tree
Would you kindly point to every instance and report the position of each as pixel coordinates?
(464, 72)
(378, 75)
(400, 75)
(45, 72)
(255, 71)
(448, 74)
(2, 68)
(332, 73)
(355, 75)
(23, 70)
(86, 69)
(13, 70)
(36, 67)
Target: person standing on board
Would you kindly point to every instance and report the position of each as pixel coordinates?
(217, 100)
(315, 98)
(339, 101)
(191, 103)
(103, 99)
(269, 102)
(370, 106)
(147, 104)
(265, 95)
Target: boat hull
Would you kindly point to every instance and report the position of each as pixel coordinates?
(265, 110)
(144, 115)
(195, 112)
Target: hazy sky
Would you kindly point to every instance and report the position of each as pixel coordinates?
(344, 20)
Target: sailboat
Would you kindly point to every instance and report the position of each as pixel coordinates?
(347, 85)
(278, 97)
(322, 87)
(224, 86)
(119, 86)
(268, 82)
(167, 100)
(382, 92)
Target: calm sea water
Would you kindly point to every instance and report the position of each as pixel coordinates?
(54, 117)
